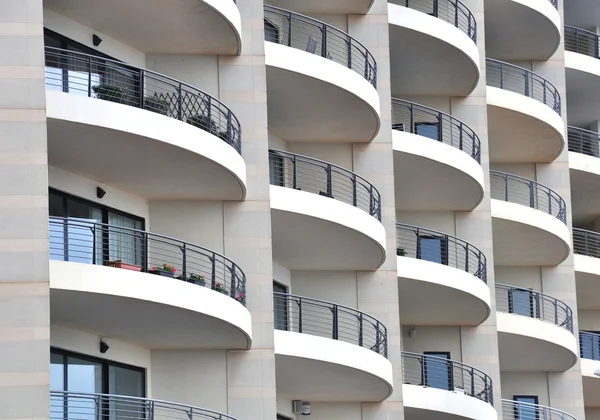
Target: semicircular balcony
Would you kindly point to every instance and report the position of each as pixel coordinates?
(195, 296)
(315, 207)
(584, 165)
(319, 342)
(526, 411)
(589, 351)
(440, 155)
(445, 389)
(442, 279)
(313, 68)
(586, 258)
(437, 34)
(524, 115)
(528, 222)
(359, 7)
(522, 29)
(102, 110)
(535, 331)
(152, 26)
(67, 405)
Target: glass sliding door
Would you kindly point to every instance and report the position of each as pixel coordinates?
(280, 309)
(520, 302)
(437, 372)
(433, 248)
(527, 410)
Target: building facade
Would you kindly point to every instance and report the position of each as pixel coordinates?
(352, 209)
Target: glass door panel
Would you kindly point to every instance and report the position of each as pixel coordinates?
(526, 411)
(438, 373)
(521, 302)
(280, 310)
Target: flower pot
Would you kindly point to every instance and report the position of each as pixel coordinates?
(163, 273)
(125, 266)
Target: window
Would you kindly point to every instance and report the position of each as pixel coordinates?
(433, 248)
(428, 129)
(84, 374)
(276, 169)
(280, 307)
(520, 302)
(271, 32)
(438, 373)
(527, 410)
(590, 345)
(82, 238)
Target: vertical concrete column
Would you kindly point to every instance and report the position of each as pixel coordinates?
(565, 389)
(480, 344)
(24, 278)
(378, 290)
(247, 224)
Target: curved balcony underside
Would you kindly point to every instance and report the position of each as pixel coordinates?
(418, 41)
(329, 7)
(583, 88)
(521, 29)
(153, 26)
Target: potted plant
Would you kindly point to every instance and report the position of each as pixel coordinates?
(125, 266)
(165, 270)
(156, 104)
(241, 298)
(400, 252)
(110, 93)
(220, 288)
(197, 279)
(203, 122)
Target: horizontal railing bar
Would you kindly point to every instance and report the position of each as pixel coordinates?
(531, 411)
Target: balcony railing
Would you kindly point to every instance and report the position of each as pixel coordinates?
(325, 319)
(522, 81)
(586, 242)
(445, 374)
(85, 241)
(114, 81)
(582, 41)
(532, 304)
(316, 37)
(304, 173)
(589, 345)
(436, 125)
(515, 410)
(453, 12)
(584, 141)
(79, 406)
(441, 248)
(519, 190)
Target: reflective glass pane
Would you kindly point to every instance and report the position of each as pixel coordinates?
(437, 372)
(429, 130)
(431, 249)
(521, 302)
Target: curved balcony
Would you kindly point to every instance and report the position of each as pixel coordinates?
(589, 351)
(438, 34)
(584, 164)
(319, 342)
(445, 389)
(440, 155)
(524, 115)
(516, 410)
(137, 120)
(528, 221)
(359, 7)
(66, 405)
(442, 279)
(522, 29)
(315, 207)
(586, 247)
(151, 26)
(194, 296)
(535, 331)
(582, 63)
(313, 68)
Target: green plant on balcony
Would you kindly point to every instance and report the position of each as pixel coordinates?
(165, 270)
(110, 93)
(157, 104)
(400, 252)
(220, 288)
(198, 279)
(241, 298)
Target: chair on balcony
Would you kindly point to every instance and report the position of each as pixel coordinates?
(311, 47)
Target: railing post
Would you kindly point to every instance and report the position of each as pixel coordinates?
(467, 258)
(353, 179)
(412, 118)
(360, 329)
(145, 257)
(180, 102)
(150, 410)
(505, 187)
(349, 53)
(289, 42)
(324, 41)
(294, 172)
(440, 122)
(213, 271)
(89, 76)
(211, 128)
(94, 244)
(473, 382)
(335, 322)
(531, 195)
(184, 261)
(545, 91)
(501, 75)
(233, 286)
(329, 182)
(299, 314)
(142, 88)
(585, 235)
(460, 137)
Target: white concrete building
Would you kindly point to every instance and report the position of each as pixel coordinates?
(353, 209)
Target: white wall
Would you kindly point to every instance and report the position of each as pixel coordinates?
(440, 221)
(589, 320)
(282, 275)
(83, 34)
(322, 411)
(191, 377)
(526, 170)
(592, 413)
(86, 188)
(333, 286)
(276, 142)
(201, 72)
(338, 154)
(528, 277)
(440, 339)
(525, 383)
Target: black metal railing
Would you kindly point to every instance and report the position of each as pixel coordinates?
(436, 125)
(589, 345)
(316, 37)
(441, 248)
(532, 304)
(519, 190)
(454, 12)
(88, 242)
(436, 372)
(66, 405)
(583, 141)
(516, 410)
(586, 242)
(114, 81)
(325, 319)
(581, 41)
(522, 81)
(316, 176)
